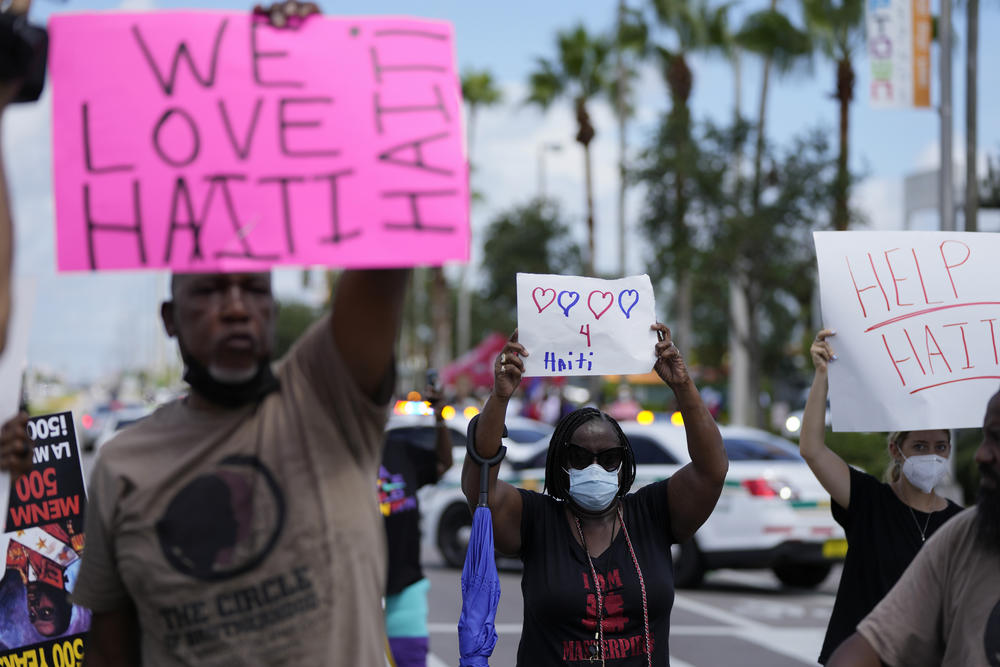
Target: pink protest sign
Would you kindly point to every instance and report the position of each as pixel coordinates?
(204, 141)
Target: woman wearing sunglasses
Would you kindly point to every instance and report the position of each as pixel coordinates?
(592, 550)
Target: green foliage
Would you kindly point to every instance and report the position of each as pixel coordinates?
(528, 238)
(867, 451)
(579, 71)
(772, 244)
(696, 26)
(294, 317)
(771, 34)
(479, 88)
(967, 441)
(836, 26)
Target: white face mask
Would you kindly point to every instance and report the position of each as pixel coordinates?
(925, 472)
(593, 488)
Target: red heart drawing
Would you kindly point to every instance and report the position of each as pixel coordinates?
(545, 292)
(604, 296)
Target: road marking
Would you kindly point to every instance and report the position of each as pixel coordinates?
(452, 628)
(715, 613)
(434, 661)
(798, 643)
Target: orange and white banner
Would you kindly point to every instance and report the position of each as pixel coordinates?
(899, 49)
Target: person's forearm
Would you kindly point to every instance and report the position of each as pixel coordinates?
(6, 246)
(855, 651)
(442, 445)
(708, 455)
(489, 429)
(813, 434)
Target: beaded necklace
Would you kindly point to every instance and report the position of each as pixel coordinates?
(599, 635)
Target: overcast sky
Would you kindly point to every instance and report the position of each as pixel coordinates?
(86, 326)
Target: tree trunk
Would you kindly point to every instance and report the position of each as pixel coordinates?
(755, 362)
(441, 352)
(758, 154)
(971, 123)
(842, 183)
(621, 112)
(741, 405)
(589, 185)
(683, 332)
(464, 300)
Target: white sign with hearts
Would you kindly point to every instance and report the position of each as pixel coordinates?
(572, 325)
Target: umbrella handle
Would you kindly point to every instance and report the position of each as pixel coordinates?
(484, 463)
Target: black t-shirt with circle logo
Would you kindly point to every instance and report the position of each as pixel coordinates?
(883, 536)
(560, 601)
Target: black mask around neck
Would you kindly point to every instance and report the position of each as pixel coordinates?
(225, 394)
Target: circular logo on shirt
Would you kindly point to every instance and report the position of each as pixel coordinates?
(223, 523)
(991, 639)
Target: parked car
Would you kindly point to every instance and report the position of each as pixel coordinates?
(118, 419)
(773, 513)
(445, 516)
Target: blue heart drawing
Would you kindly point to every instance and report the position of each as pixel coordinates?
(559, 300)
(621, 303)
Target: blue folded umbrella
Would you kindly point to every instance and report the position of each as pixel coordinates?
(477, 633)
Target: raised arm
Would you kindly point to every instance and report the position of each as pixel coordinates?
(7, 93)
(504, 499)
(442, 435)
(831, 470)
(693, 490)
(367, 312)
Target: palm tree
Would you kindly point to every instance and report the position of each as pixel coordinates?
(578, 73)
(770, 34)
(479, 90)
(838, 26)
(695, 27)
(631, 45)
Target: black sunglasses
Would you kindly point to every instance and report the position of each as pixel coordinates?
(579, 458)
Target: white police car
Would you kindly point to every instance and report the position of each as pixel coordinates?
(773, 513)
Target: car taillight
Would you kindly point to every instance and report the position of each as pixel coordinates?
(769, 488)
(759, 487)
(87, 421)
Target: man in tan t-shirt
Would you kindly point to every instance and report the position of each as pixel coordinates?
(239, 525)
(945, 609)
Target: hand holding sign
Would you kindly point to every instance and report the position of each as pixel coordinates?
(15, 447)
(919, 327)
(669, 364)
(509, 367)
(237, 146)
(585, 326)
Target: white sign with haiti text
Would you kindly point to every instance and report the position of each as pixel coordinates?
(573, 325)
(916, 316)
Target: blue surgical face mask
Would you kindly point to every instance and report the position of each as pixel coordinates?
(593, 488)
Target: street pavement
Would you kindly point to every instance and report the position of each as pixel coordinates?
(743, 618)
(740, 618)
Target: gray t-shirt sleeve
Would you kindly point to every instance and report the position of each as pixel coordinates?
(905, 628)
(99, 586)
